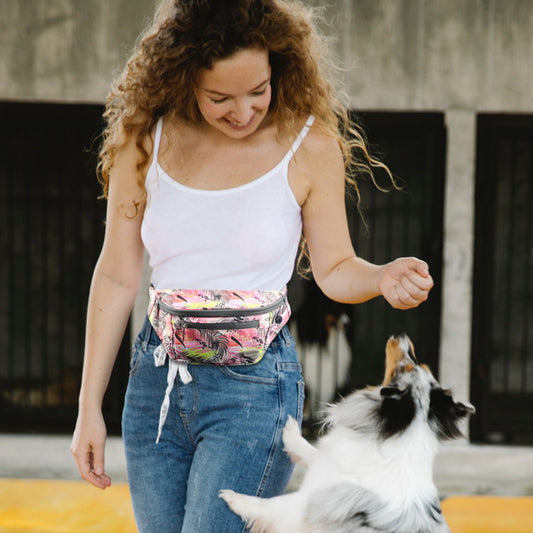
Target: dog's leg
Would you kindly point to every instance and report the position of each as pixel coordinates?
(280, 514)
(298, 449)
(345, 507)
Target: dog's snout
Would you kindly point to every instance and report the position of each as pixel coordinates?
(400, 356)
(402, 343)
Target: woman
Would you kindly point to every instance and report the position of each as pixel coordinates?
(222, 148)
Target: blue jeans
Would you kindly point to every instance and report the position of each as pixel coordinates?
(223, 431)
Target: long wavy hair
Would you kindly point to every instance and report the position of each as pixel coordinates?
(186, 36)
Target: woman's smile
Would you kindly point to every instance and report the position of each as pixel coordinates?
(239, 125)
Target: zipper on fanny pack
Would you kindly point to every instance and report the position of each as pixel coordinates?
(220, 312)
(248, 324)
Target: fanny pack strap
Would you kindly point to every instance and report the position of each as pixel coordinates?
(174, 368)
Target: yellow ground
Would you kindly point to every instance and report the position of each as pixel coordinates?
(488, 514)
(43, 506)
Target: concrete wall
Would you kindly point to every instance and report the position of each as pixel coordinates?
(455, 56)
(66, 50)
(399, 54)
(436, 54)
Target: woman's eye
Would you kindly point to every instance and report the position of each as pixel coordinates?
(225, 98)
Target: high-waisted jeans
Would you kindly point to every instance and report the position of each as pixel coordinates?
(223, 431)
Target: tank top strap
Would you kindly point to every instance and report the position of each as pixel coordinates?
(301, 136)
(153, 170)
(157, 139)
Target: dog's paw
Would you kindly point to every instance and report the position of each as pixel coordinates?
(227, 495)
(295, 446)
(291, 439)
(231, 498)
(238, 503)
(291, 429)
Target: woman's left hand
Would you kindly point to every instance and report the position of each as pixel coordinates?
(405, 283)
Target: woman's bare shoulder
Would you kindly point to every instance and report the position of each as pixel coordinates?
(320, 150)
(317, 164)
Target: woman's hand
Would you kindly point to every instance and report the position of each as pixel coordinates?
(88, 445)
(405, 283)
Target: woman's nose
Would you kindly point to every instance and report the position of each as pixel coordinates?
(242, 111)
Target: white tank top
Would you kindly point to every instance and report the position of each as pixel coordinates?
(243, 238)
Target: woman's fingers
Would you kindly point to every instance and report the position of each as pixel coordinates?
(90, 463)
(407, 283)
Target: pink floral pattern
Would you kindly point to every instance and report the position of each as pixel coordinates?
(220, 327)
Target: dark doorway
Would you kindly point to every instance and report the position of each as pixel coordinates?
(51, 230)
(401, 223)
(502, 343)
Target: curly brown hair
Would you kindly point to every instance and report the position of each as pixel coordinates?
(189, 35)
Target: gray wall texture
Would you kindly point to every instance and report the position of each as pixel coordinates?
(398, 54)
(439, 54)
(66, 50)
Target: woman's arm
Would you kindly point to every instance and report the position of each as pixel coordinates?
(342, 276)
(114, 286)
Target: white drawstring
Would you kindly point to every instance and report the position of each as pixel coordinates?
(160, 355)
(174, 367)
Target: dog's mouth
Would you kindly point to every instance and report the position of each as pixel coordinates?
(400, 357)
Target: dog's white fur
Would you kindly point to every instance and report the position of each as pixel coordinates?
(372, 472)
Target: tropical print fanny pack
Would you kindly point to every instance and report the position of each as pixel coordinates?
(219, 327)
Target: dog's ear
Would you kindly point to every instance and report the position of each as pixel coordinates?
(444, 414)
(396, 411)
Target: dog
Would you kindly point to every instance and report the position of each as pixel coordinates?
(372, 471)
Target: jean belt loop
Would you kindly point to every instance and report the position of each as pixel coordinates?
(147, 330)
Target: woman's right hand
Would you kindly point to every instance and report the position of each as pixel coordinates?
(87, 447)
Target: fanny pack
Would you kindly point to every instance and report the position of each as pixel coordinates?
(218, 327)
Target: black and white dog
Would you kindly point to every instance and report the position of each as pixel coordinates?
(372, 471)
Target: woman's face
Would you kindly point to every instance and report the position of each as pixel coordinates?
(234, 95)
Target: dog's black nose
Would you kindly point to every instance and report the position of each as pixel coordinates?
(401, 336)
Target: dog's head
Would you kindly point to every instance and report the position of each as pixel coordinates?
(409, 393)
(409, 390)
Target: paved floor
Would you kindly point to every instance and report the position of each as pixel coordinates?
(488, 514)
(43, 506)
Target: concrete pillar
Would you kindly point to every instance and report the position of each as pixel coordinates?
(455, 343)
